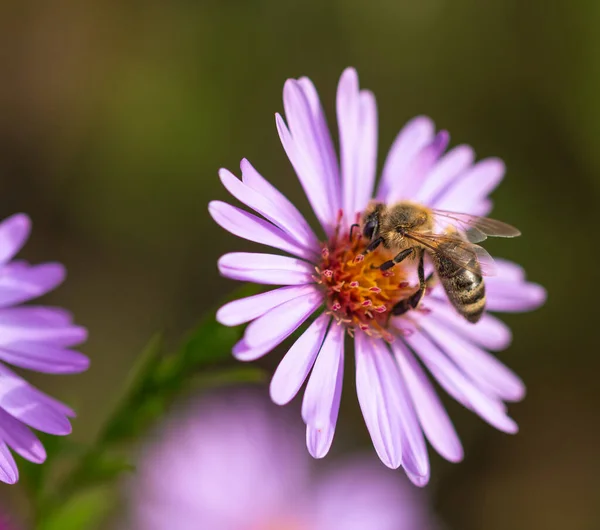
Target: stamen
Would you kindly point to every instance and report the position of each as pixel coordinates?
(360, 295)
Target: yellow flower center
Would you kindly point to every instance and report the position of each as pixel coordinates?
(359, 294)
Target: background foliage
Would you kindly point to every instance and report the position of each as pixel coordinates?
(116, 117)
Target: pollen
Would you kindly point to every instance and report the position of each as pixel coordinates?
(359, 294)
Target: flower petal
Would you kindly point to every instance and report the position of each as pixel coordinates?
(38, 324)
(247, 309)
(27, 404)
(448, 168)
(274, 212)
(490, 332)
(473, 187)
(26, 282)
(377, 399)
(281, 321)
(414, 451)
(269, 269)
(357, 120)
(481, 367)
(9, 472)
(458, 385)
(46, 358)
(509, 270)
(298, 361)
(509, 296)
(252, 228)
(306, 144)
(431, 413)
(321, 402)
(415, 135)
(257, 182)
(14, 231)
(243, 352)
(20, 439)
(419, 168)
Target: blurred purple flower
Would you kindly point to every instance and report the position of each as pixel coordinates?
(35, 338)
(233, 464)
(398, 401)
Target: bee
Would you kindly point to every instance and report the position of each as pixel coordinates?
(448, 238)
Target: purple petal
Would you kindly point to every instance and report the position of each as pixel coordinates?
(510, 296)
(257, 182)
(46, 358)
(38, 324)
(490, 332)
(281, 321)
(39, 316)
(29, 405)
(376, 375)
(247, 309)
(415, 135)
(268, 269)
(321, 402)
(419, 168)
(298, 361)
(252, 228)
(8, 467)
(431, 413)
(307, 147)
(14, 231)
(487, 372)
(260, 203)
(21, 439)
(243, 352)
(414, 451)
(509, 270)
(473, 187)
(447, 169)
(25, 283)
(458, 385)
(325, 143)
(357, 120)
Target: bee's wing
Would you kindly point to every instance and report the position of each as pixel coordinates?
(473, 227)
(458, 251)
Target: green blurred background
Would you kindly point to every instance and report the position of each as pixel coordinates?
(115, 117)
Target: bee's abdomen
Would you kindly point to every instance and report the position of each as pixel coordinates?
(465, 288)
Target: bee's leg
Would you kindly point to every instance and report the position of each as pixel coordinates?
(413, 301)
(373, 245)
(416, 298)
(397, 259)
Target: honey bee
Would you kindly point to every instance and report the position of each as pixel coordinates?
(448, 238)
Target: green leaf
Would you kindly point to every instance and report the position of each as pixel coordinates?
(83, 511)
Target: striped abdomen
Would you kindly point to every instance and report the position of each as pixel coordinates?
(465, 289)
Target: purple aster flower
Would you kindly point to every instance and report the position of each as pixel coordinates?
(232, 464)
(35, 338)
(330, 283)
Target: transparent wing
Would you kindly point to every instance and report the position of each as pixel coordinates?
(473, 227)
(463, 253)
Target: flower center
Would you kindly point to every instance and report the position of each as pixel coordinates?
(359, 294)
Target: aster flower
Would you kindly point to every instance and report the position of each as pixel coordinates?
(328, 282)
(35, 338)
(231, 463)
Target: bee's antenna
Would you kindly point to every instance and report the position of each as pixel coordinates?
(355, 225)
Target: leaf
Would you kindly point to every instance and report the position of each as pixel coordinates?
(83, 511)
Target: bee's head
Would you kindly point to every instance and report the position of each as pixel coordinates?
(371, 220)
